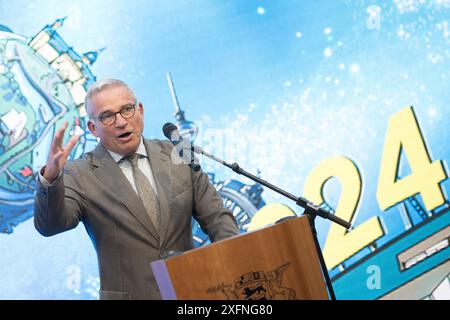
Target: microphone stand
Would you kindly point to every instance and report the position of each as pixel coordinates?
(311, 210)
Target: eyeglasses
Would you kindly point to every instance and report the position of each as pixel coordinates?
(109, 117)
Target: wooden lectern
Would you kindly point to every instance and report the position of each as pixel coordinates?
(277, 262)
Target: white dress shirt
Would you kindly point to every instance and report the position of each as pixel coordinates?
(125, 166)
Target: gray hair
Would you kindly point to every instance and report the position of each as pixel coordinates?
(100, 86)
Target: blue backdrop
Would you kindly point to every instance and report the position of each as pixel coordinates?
(301, 91)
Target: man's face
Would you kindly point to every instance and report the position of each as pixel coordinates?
(122, 136)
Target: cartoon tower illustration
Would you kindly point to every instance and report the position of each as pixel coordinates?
(43, 82)
(72, 68)
(188, 129)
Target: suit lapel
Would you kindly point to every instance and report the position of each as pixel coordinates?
(160, 165)
(107, 171)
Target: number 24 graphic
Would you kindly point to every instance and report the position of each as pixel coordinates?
(403, 132)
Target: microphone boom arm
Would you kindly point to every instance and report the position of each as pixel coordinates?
(300, 201)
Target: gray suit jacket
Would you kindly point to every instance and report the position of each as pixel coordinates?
(94, 190)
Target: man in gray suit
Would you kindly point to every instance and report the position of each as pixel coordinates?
(134, 201)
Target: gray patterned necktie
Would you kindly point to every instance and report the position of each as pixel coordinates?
(145, 190)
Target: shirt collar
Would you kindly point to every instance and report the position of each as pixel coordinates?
(117, 156)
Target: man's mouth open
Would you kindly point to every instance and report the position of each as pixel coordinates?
(125, 137)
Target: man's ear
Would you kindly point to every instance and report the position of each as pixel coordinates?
(141, 108)
(92, 128)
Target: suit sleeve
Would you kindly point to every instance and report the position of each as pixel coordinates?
(58, 207)
(214, 219)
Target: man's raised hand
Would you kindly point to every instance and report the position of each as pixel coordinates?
(58, 154)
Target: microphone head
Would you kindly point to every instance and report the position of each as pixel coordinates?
(168, 128)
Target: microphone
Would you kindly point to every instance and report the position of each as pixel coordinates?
(168, 129)
(183, 146)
